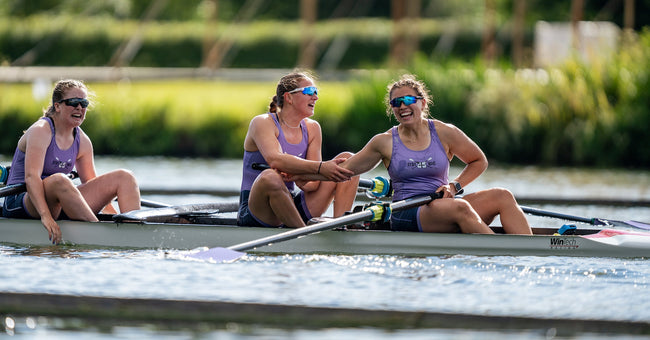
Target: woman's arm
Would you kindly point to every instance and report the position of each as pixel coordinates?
(262, 134)
(376, 150)
(36, 141)
(458, 144)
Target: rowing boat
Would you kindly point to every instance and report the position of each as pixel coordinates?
(215, 230)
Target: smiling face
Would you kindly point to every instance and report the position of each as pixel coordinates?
(408, 113)
(70, 115)
(300, 101)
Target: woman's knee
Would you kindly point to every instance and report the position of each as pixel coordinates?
(58, 181)
(269, 180)
(502, 195)
(462, 209)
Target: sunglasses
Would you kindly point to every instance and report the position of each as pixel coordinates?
(308, 90)
(75, 101)
(407, 100)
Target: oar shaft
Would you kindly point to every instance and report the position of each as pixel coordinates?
(337, 222)
(12, 189)
(539, 212)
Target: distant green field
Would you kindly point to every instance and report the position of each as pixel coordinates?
(180, 117)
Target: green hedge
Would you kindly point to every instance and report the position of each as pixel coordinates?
(92, 41)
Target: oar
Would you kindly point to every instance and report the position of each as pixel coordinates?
(592, 220)
(203, 208)
(373, 212)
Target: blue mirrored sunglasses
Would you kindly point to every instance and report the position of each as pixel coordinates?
(308, 90)
(407, 100)
(75, 101)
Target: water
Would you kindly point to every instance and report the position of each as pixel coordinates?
(540, 287)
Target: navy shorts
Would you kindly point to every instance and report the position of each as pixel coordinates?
(246, 218)
(406, 220)
(14, 206)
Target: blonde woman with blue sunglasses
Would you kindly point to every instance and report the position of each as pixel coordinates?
(288, 141)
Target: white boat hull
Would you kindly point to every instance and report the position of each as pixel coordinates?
(598, 243)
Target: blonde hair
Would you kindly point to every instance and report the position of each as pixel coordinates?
(409, 80)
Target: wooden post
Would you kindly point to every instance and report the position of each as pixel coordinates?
(405, 39)
(628, 15)
(210, 54)
(488, 43)
(519, 11)
(308, 14)
(577, 8)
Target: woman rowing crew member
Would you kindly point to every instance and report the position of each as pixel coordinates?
(289, 141)
(417, 153)
(48, 151)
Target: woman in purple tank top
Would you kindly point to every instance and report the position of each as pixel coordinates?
(288, 141)
(49, 150)
(417, 153)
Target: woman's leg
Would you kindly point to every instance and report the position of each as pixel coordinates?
(61, 193)
(451, 214)
(497, 201)
(101, 190)
(270, 201)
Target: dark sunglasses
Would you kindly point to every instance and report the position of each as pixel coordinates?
(308, 90)
(75, 101)
(407, 100)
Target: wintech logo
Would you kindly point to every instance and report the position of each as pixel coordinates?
(563, 243)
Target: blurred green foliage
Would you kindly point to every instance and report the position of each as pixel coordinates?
(575, 114)
(58, 41)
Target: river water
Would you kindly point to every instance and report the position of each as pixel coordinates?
(538, 287)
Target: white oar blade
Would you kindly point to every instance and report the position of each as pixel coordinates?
(217, 255)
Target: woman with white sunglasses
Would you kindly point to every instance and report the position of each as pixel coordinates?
(288, 141)
(47, 153)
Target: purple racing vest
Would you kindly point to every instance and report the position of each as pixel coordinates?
(56, 160)
(298, 150)
(417, 172)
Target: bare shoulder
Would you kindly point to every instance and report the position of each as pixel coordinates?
(261, 122)
(84, 139)
(313, 126)
(39, 128)
(447, 131)
(382, 142)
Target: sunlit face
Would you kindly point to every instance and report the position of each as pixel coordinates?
(74, 115)
(407, 113)
(301, 101)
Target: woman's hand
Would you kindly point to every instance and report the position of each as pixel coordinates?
(52, 228)
(333, 172)
(446, 191)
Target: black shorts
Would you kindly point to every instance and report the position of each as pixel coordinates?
(14, 207)
(246, 218)
(406, 220)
